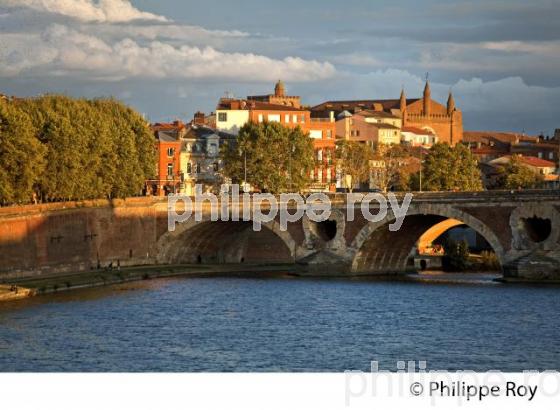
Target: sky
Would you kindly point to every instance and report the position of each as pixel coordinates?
(170, 58)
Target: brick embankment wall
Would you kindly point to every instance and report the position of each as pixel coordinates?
(74, 236)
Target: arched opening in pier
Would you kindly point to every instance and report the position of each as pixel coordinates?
(226, 242)
(425, 242)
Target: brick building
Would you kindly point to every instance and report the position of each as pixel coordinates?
(279, 97)
(168, 146)
(445, 122)
(232, 114)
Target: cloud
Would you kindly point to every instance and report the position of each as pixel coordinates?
(111, 11)
(66, 51)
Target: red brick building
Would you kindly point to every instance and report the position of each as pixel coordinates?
(232, 114)
(168, 145)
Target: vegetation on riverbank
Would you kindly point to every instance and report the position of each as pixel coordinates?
(56, 148)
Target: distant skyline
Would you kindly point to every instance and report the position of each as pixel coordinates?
(170, 58)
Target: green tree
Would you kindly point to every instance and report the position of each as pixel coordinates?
(449, 168)
(456, 255)
(92, 149)
(276, 158)
(21, 155)
(515, 175)
(354, 162)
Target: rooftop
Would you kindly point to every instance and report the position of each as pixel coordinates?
(235, 104)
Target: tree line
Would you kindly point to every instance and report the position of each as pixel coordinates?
(57, 148)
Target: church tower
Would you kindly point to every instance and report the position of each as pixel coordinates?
(427, 100)
(402, 106)
(450, 104)
(279, 90)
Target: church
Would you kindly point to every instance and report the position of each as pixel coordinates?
(444, 121)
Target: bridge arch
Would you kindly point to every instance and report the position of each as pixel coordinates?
(379, 250)
(209, 241)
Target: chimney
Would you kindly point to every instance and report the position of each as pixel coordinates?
(331, 116)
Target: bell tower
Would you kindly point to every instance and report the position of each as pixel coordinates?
(279, 90)
(427, 100)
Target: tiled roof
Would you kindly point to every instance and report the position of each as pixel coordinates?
(376, 114)
(234, 104)
(416, 130)
(341, 105)
(537, 162)
(506, 137)
(166, 136)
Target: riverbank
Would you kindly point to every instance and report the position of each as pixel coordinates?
(45, 284)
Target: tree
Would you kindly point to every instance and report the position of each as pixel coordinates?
(354, 162)
(515, 175)
(275, 158)
(21, 155)
(456, 255)
(449, 168)
(70, 149)
(393, 165)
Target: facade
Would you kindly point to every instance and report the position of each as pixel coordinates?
(168, 178)
(200, 159)
(417, 137)
(445, 122)
(489, 145)
(365, 127)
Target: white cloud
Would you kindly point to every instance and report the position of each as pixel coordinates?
(68, 51)
(111, 11)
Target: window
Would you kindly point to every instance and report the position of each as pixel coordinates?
(197, 168)
(329, 134)
(222, 116)
(287, 118)
(189, 168)
(319, 155)
(169, 170)
(540, 155)
(216, 167)
(212, 149)
(550, 155)
(170, 152)
(260, 118)
(302, 118)
(274, 117)
(316, 134)
(357, 133)
(328, 175)
(294, 119)
(189, 147)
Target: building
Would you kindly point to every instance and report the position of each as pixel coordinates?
(547, 169)
(368, 127)
(279, 97)
(232, 114)
(418, 137)
(168, 148)
(445, 122)
(489, 145)
(200, 159)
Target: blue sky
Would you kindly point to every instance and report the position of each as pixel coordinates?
(169, 58)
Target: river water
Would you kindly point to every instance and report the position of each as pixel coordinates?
(254, 324)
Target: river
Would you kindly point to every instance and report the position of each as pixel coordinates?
(257, 324)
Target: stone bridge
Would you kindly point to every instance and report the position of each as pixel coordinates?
(522, 227)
